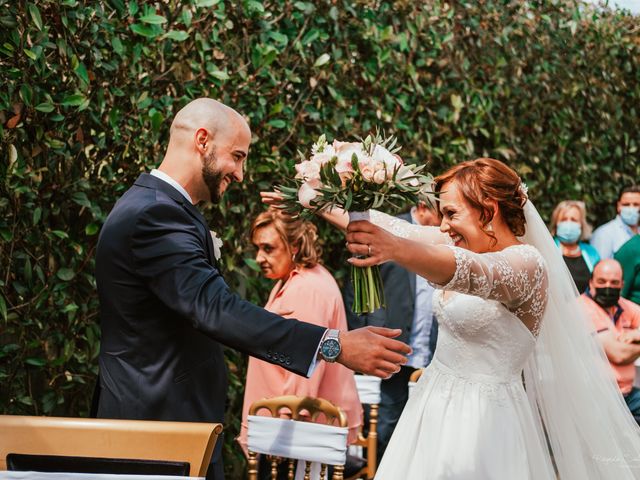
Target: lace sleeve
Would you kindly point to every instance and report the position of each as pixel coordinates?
(515, 277)
(401, 228)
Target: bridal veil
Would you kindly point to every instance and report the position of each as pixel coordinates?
(570, 384)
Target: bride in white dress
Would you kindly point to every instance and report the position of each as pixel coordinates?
(508, 317)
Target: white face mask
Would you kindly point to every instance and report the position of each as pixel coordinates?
(630, 215)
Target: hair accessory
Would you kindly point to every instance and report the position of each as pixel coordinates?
(525, 192)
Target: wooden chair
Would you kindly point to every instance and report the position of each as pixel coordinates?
(369, 391)
(189, 443)
(297, 409)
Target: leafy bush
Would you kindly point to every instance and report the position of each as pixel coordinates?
(89, 90)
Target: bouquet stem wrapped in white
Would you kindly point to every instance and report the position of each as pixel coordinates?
(357, 176)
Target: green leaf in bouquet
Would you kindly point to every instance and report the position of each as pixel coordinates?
(349, 200)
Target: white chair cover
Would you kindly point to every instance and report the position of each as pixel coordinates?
(298, 440)
(368, 389)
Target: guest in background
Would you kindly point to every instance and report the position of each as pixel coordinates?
(570, 230)
(616, 322)
(408, 298)
(629, 257)
(608, 238)
(288, 252)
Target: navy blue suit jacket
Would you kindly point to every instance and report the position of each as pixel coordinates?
(166, 311)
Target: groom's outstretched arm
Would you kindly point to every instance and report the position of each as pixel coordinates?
(169, 252)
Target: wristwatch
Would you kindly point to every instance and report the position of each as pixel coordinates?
(330, 347)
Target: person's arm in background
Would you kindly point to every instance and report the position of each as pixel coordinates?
(602, 243)
(618, 350)
(628, 262)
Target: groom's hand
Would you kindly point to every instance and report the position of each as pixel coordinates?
(373, 351)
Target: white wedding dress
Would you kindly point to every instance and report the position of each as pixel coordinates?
(470, 418)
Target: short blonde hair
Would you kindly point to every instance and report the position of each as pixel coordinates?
(565, 205)
(294, 232)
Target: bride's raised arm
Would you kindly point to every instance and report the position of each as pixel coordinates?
(515, 276)
(401, 228)
(423, 234)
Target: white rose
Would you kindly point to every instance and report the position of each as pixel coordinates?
(345, 151)
(381, 154)
(325, 156)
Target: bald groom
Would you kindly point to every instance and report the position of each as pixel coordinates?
(166, 311)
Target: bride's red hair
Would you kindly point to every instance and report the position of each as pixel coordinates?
(484, 180)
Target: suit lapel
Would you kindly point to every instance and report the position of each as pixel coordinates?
(149, 181)
(195, 213)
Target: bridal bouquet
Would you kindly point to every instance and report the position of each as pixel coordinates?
(356, 176)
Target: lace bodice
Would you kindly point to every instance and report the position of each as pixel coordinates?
(516, 277)
(488, 329)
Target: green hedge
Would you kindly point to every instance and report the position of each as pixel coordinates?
(89, 90)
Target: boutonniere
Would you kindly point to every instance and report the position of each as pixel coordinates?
(217, 245)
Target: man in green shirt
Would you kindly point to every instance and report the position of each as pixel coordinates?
(629, 257)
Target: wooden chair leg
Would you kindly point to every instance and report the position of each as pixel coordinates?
(372, 450)
(291, 473)
(252, 472)
(338, 472)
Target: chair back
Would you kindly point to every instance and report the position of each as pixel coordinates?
(118, 440)
(295, 438)
(369, 392)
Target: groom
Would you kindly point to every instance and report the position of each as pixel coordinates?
(166, 311)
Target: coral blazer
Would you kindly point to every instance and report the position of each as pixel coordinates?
(311, 295)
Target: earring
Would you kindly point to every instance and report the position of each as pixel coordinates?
(489, 227)
(293, 258)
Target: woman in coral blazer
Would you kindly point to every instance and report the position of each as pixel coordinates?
(288, 252)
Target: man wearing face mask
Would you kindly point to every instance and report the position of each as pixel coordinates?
(616, 322)
(609, 237)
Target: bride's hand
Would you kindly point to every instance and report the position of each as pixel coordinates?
(365, 239)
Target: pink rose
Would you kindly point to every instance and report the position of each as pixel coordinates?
(380, 176)
(307, 192)
(367, 173)
(308, 170)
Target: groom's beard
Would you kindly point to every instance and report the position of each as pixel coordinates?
(212, 177)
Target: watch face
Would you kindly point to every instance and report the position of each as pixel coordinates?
(331, 348)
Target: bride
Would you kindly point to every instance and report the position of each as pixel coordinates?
(518, 384)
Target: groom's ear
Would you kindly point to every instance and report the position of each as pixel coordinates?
(201, 139)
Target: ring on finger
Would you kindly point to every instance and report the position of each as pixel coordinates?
(369, 250)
